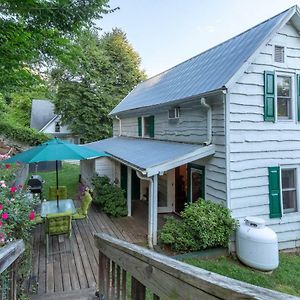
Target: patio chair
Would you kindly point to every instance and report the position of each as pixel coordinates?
(82, 211)
(62, 193)
(57, 224)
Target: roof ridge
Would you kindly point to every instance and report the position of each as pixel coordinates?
(220, 44)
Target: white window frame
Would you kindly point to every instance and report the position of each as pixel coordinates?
(297, 175)
(143, 127)
(293, 95)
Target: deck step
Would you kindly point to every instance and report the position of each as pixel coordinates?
(83, 294)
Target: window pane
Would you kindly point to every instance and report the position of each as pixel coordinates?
(288, 179)
(283, 86)
(146, 126)
(283, 107)
(289, 201)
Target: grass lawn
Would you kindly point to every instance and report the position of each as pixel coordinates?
(67, 176)
(286, 278)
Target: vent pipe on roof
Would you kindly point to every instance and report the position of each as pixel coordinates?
(120, 125)
(209, 121)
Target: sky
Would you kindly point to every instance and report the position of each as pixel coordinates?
(167, 32)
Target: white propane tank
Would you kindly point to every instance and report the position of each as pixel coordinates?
(257, 245)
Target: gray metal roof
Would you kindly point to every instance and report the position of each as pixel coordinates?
(208, 71)
(145, 153)
(42, 112)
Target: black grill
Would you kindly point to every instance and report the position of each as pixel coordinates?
(35, 184)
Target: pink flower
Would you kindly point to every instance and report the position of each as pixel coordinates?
(1, 206)
(3, 185)
(13, 189)
(5, 216)
(31, 215)
(7, 166)
(1, 223)
(2, 181)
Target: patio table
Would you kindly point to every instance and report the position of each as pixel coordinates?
(50, 207)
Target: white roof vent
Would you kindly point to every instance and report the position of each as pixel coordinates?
(279, 54)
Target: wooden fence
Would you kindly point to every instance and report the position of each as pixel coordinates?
(128, 271)
(8, 269)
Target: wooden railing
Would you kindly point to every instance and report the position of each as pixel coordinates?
(128, 271)
(9, 265)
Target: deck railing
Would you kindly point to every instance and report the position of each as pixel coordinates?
(8, 269)
(128, 271)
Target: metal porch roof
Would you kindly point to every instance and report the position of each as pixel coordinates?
(151, 156)
(204, 73)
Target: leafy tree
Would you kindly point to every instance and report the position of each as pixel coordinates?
(103, 71)
(34, 34)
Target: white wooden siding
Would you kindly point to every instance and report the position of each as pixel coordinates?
(256, 145)
(87, 171)
(190, 127)
(215, 166)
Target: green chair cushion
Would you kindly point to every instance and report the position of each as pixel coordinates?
(62, 192)
(78, 216)
(58, 223)
(82, 211)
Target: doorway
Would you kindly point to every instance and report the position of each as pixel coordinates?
(180, 188)
(196, 182)
(189, 185)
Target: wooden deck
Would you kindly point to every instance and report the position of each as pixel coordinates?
(66, 273)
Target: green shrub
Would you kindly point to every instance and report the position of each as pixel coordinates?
(204, 224)
(22, 134)
(109, 196)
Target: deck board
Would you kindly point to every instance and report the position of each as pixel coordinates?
(77, 270)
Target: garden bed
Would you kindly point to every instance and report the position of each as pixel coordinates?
(286, 278)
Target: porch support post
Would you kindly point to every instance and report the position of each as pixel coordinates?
(154, 210)
(150, 214)
(129, 192)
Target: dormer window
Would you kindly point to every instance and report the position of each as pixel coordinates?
(279, 54)
(57, 127)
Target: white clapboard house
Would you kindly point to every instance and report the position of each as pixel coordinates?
(223, 125)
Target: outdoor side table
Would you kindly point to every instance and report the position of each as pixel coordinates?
(50, 207)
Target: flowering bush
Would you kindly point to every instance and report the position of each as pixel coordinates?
(16, 208)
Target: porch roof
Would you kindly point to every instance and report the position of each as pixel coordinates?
(151, 156)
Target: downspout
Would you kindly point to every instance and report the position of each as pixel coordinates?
(150, 219)
(209, 120)
(120, 125)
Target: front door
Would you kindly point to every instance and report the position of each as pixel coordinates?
(196, 176)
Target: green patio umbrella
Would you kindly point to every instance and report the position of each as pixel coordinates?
(55, 150)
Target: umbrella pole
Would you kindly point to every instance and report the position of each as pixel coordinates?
(56, 166)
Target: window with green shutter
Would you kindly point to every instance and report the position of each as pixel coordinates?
(140, 126)
(269, 96)
(148, 127)
(274, 192)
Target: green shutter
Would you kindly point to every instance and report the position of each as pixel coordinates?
(140, 126)
(151, 126)
(274, 192)
(269, 97)
(298, 96)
